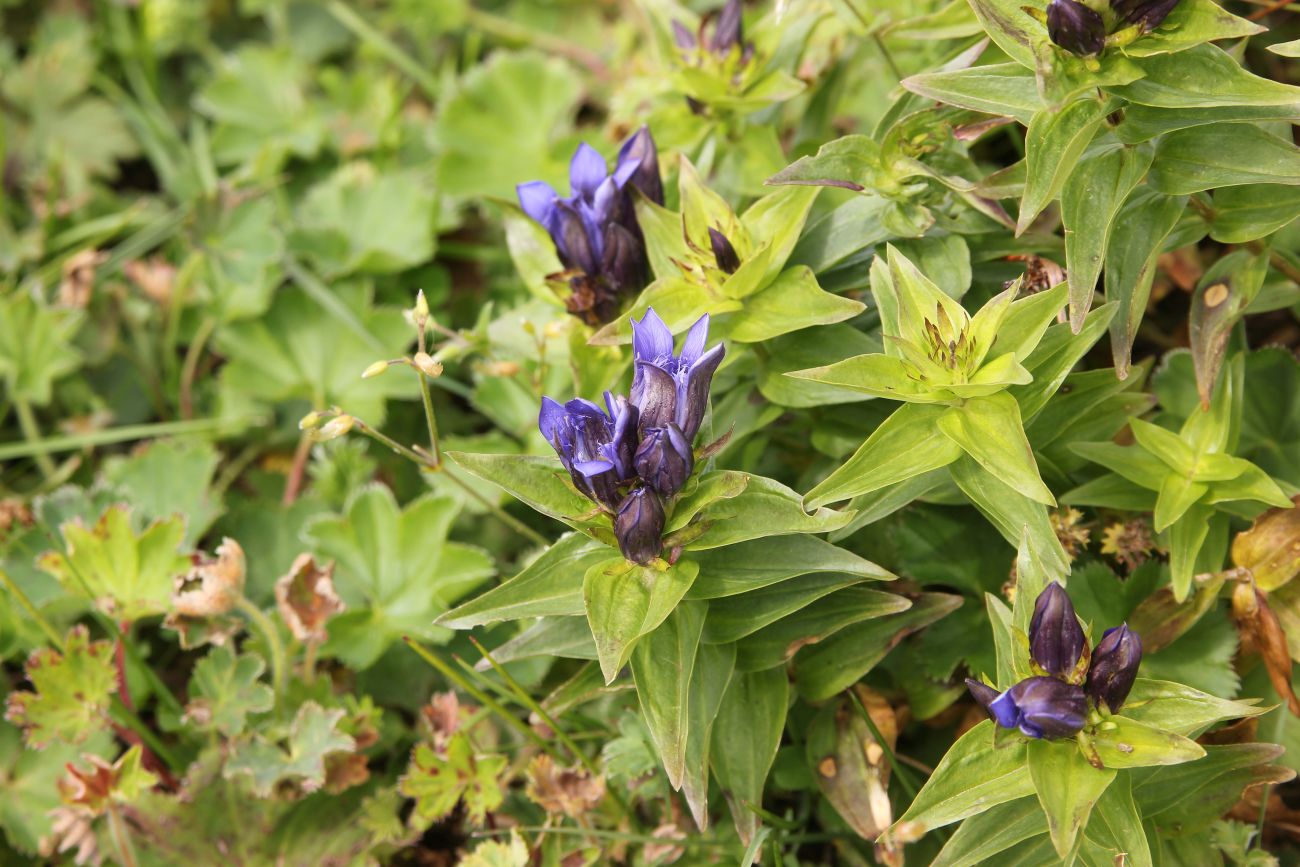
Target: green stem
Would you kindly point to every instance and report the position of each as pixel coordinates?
(1263, 815)
(272, 637)
(121, 837)
(128, 718)
(192, 355)
(483, 698)
(32, 435)
(309, 661)
(32, 611)
(429, 416)
(126, 433)
(509, 31)
(385, 47)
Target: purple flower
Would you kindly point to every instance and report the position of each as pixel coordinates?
(594, 229)
(1147, 13)
(595, 446)
(1075, 27)
(639, 526)
(669, 388)
(1041, 707)
(1056, 640)
(664, 459)
(727, 27)
(982, 693)
(1114, 667)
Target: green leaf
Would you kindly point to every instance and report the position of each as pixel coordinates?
(1123, 743)
(1026, 321)
(128, 575)
(225, 689)
(838, 662)
(733, 617)
(439, 782)
(746, 735)
(1010, 28)
(35, 347)
(992, 832)
(1053, 145)
(973, 776)
(540, 482)
(1196, 793)
(1250, 211)
(793, 301)
(1059, 350)
(1185, 538)
(703, 491)
(1007, 89)
(564, 636)
(549, 586)
(486, 152)
(765, 508)
(1181, 709)
(299, 755)
(1137, 239)
(663, 665)
(297, 351)
(1097, 189)
(242, 250)
(1067, 787)
(906, 444)
(989, 430)
(1017, 518)
(714, 667)
(1222, 155)
(72, 692)
(625, 601)
(171, 478)
(395, 571)
(852, 162)
(31, 784)
(1189, 23)
(764, 561)
(1203, 77)
(814, 623)
(1116, 825)
(362, 219)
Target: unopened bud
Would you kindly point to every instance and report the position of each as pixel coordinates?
(335, 428)
(554, 329)
(309, 421)
(375, 369)
(421, 305)
(501, 368)
(424, 363)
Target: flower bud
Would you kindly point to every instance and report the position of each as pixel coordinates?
(1056, 640)
(639, 526)
(421, 305)
(424, 363)
(1041, 707)
(334, 428)
(1075, 27)
(664, 460)
(309, 421)
(982, 693)
(1148, 14)
(1114, 667)
(727, 32)
(723, 253)
(374, 370)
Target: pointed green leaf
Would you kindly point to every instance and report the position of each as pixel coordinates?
(990, 431)
(1053, 145)
(663, 665)
(625, 602)
(746, 735)
(1067, 787)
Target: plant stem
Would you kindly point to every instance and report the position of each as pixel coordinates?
(293, 485)
(192, 355)
(385, 47)
(32, 611)
(32, 434)
(272, 637)
(121, 837)
(126, 433)
(429, 416)
(309, 660)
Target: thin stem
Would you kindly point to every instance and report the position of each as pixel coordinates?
(32, 434)
(393, 444)
(126, 433)
(903, 776)
(429, 416)
(272, 637)
(121, 837)
(515, 33)
(192, 355)
(309, 661)
(1263, 815)
(32, 611)
(385, 47)
(483, 698)
(293, 485)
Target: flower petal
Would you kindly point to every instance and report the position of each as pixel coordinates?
(538, 199)
(586, 171)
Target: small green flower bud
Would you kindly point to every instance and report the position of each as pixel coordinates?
(309, 421)
(334, 428)
(421, 305)
(375, 369)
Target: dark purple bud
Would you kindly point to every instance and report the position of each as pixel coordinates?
(1114, 667)
(693, 394)
(640, 151)
(723, 252)
(727, 32)
(982, 693)
(569, 232)
(682, 35)
(639, 526)
(664, 460)
(1075, 27)
(623, 260)
(1056, 640)
(1041, 707)
(1148, 14)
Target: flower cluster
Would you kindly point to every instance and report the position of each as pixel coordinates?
(1080, 29)
(1054, 704)
(595, 230)
(637, 452)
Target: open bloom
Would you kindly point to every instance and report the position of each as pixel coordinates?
(1114, 667)
(667, 387)
(594, 229)
(1056, 640)
(596, 446)
(1075, 27)
(1041, 707)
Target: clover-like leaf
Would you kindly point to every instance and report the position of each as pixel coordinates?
(72, 690)
(225, 689)
(439, 782)
(298, 756)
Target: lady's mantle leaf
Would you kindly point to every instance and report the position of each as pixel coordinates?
(72, 691)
